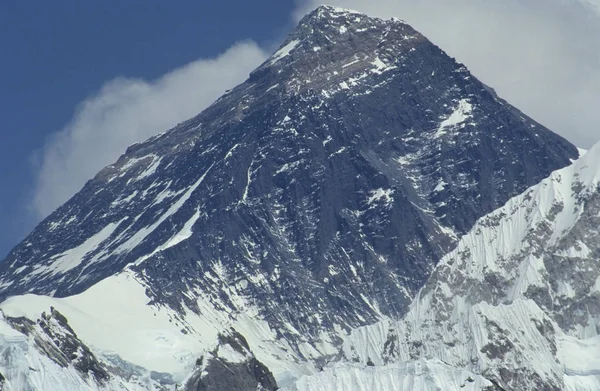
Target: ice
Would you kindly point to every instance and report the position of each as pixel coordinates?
(122, 201)
(582, 362)
(565, 290)
(166, 194)
(596, 287)
(459, 116)
(272, 87)
(140, 235)
(227, 353)
(284, 51)
(185, 232)
(151, 169)
(381, 194)
(341, 150)
(440, 186)
(355, 61)
(289, 166)
(72, 258)
(380, 66)
(248, 181)
(411, 376)
(231, 150)
(131, 162)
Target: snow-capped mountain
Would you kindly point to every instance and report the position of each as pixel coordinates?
(313, 199)
(518, 300)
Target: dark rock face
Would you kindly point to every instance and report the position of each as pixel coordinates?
(322, 190)
(238, 372)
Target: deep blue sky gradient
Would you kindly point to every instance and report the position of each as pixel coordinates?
(53, 54)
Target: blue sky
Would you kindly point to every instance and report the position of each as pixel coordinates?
(81, 80)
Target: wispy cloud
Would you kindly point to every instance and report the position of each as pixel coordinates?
(541, 55)
(126, 111)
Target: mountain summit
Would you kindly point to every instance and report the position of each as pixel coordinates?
(314, 198)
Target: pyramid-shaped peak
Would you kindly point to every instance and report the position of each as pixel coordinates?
(326, 14)
(333, 11)
(312, 199)
(334, 34)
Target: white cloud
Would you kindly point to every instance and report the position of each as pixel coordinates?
(126, 111)
(543, 56)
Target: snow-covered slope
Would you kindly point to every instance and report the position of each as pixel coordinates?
(151, 343)
(411, 376)
(518, 300)
(45, 353)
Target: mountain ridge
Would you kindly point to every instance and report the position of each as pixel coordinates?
(520, 293)
(191, 129)
(314, 198)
